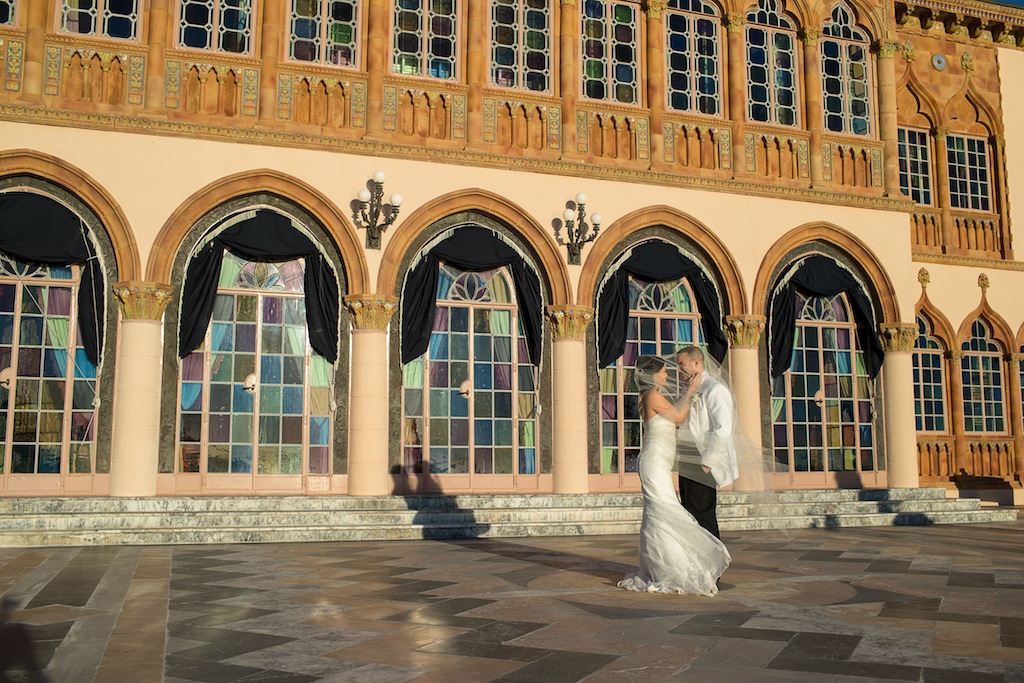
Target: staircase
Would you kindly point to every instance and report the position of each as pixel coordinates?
(29, 522)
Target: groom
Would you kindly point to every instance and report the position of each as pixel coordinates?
(705, 441)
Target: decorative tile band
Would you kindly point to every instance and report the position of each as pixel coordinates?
(554, 127)
(172, 85)
(459, 117)
(136, 79)
(284, 97)
(390, 107)
(358, 104)
(14, 62)
(250, 92)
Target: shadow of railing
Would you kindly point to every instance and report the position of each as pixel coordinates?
(884, 502)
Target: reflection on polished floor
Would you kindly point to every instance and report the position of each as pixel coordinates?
(938, 604)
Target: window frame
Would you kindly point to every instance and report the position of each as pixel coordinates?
(100, 21)
(852, 36)
(967, 388)
(521, 71)
(921, 414)
(425, 55)
(908, 164)
(968, 195)
(775, 23)
(608, 60)
(322, 41)
(13, 16)
(694, 56)
(216, 31)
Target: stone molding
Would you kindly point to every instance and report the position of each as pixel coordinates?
(142, 300)
(371, 312)
(569, 322)
(897, 337)
(744, 331)
(956, 260)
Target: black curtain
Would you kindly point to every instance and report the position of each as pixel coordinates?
(471, 248)
(655, 261)
(268, 236)
(821, 276)
(38, 229)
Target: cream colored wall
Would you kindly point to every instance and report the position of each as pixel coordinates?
(954, 291)
(1011, 75)
(150, 177)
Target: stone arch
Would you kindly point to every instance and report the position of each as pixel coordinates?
(969, 104)
(910, 91)
(1001, 331)
(338, 227)
(91, 193)
(1020, 337)
(865, 17)
(797, 11)
(712, 248)
(940, 325)
(549, 260)
(883, 293)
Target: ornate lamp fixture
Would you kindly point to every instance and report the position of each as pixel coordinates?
(576, 230)
(372, 209)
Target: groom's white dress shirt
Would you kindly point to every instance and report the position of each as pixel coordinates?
(711, 424)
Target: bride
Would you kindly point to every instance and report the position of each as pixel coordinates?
(676, 554)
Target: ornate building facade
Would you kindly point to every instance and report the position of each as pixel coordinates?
(820, 193)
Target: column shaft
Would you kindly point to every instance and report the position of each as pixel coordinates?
(156, 62)
(271, 49)
(377, 50)
(368, 414)
(950, 243)
(476, 71)
(737, 65)
(745, 373)
(569, 443)
(568, 78)
(1016, 417)
(35, 50)
(900, 425)
(887, 129)
(956, 410)
(812, 101)
(656, 76)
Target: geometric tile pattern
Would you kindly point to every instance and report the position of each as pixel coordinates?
(939, 604)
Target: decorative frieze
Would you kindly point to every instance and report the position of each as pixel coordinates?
(136, 79)
(142, 300)
(555, 128)
(371, 312)
(744, 330)
(897, 337)
(13, 61)
(390, 107)
(458, 116)
(51, 70)
(359, 105)
(284, 97)
(172, 85)
(569, 322)
(250, 92)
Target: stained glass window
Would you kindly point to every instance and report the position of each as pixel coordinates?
(771, 66)
(107, 18)
(692, 56)
(521, 44)
(221, 25)
(915, 165)
(425, 38)
(324, 31)
(844, 74)
(610, 46)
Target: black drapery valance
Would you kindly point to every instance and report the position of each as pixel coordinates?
(267, 236)
(471, 248)
(655, 261)
(821, 276)
(38, 229)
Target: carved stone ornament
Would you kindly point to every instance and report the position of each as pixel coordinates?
(983, 283)
(142, 300)
(744, 330)
(1014, 359)
(655, 8)
(924, 278)
(886, 49)
(371, 312)
(734, 22)
(569, 322)
(955, 355)
(967, 61)
(897, 337)
(908, 51)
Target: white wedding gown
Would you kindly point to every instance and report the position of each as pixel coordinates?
(677, 555)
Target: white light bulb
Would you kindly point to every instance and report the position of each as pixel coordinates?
(396, 200)
(596, 219)
(581, 198)
(363, 196)
(568, 214)
(379, 177)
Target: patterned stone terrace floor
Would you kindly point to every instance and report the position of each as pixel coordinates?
(941, 604)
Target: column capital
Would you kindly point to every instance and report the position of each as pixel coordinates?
(940, 132)
(810, 36)
(734, 22)
(571, 3)
(897, 337)
(655, 8)
(142, 300)
(569, 322)
(371, 312)
(886, 49)
(744, 330)
(1014, 358)
(955, 355)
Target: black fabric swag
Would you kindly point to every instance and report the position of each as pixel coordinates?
(655, 261)
(37, 229)
(471, 248)
(268, 236)
(821, 276)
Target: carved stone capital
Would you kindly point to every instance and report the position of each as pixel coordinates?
(810, 36)
(955, 355)
(655, 8)
(371, 312)
(886, 49)
(744, 330)
(142, 300)
(1014, 359)
(569, 322)
(897, 337)
(940, 133)
(734, 22)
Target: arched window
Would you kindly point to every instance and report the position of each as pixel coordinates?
(425, 38)
(822, 406)
(106, 18)
(929, 380)
(221, 25)
(771, 66)
(844, 74)
(324, 31)
(521, 44)
(693, 61)
(982, 376)
(610, 46)
(47, 382)
(470, 402)
(255, 398)
(662, 318)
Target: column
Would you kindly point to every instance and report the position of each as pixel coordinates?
(569, 390)
(744, 333)
(887, 129)
(956, 410)
(898, 394)
(271, 49)
(368, 412)
(656, 76)
(950, 241)
(999, 187)
(568, 74)
(477, 63)
(1013, 361)
(35, 51)
(378, 49)
(134, 448)
(812, 100)
(156, 64)
(734, 24)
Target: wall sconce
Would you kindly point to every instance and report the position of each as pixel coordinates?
(371, 208)
(576, 230)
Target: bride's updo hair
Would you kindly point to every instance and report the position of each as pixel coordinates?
(646, 368)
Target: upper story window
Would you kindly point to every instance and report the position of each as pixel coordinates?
(771, 66)
(692, 49)
(520, 44)
(610, 45)
(425, 38)
(324, 31)
(915, 165)
(844, 75)
(929, 382)
(982, 376)
(969, 186)
(6, 12)
(107, 18)
(221, 25)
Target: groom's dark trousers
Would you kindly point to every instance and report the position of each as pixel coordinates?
(700, 500)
